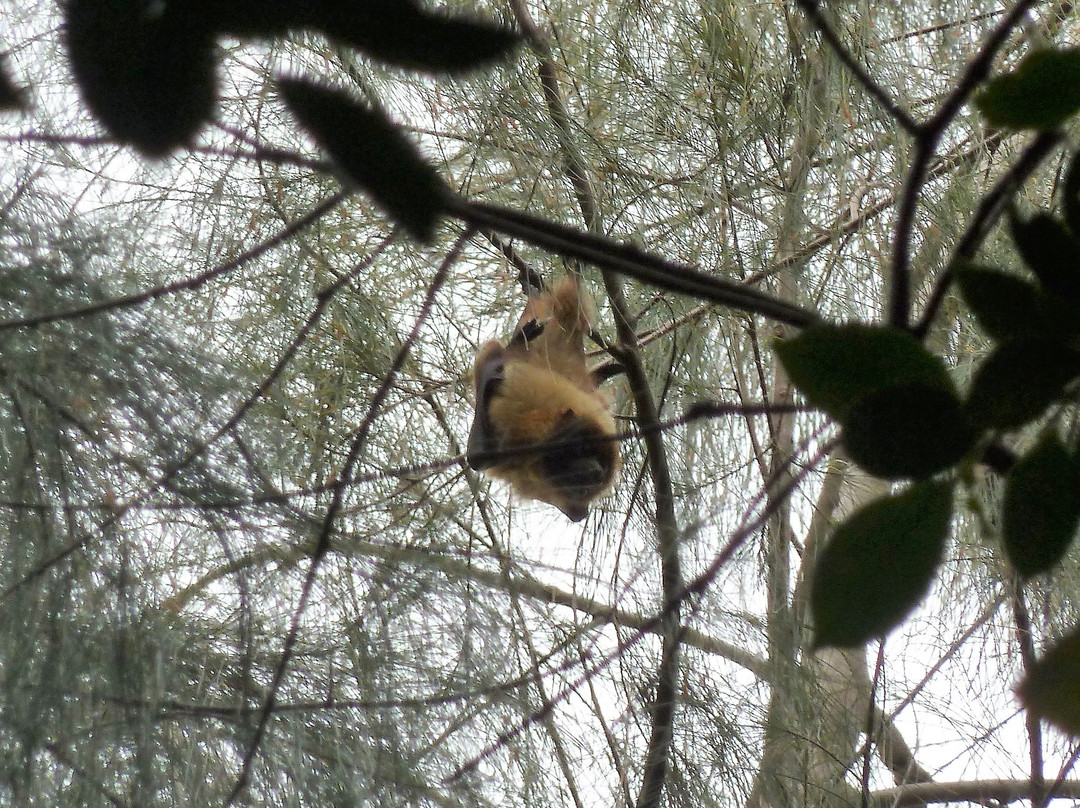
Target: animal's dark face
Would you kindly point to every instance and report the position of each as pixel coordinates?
(579, 463)
(575, 467)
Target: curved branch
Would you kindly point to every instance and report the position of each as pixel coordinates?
(926, 142)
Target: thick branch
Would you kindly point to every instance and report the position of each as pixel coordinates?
(626, 259)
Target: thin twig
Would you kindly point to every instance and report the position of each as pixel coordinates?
(237, 711)
(1026, 641)
(186, 284)
(258, 152)
(945, 26)
(864, 779)
(531, 281)
(697, 411)
(926, 141)
(1066, 767)
(694, 589)
(812, 9)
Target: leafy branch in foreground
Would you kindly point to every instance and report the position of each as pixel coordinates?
(148, 70)
(902, 418)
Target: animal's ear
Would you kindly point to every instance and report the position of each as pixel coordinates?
(483, 439)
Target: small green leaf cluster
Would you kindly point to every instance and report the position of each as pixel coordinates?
(901, 418)
(1035, 363)
(901, 415)
(146, 69)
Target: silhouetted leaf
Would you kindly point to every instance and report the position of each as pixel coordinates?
(1071, 195)
(1004, 305)
(1051, 253)
(398, 32)
(261, 19)
(372, 152)
(409, 36)
(907, 431)
(145, 69)
(1041, 93)
(11, 95)
(835, 366)
(879, 564)
(1041, 508)
(1051, 688)
(1019, 380)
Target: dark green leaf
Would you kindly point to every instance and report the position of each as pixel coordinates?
(1051, 252)
(1041, 508)
(1071, 195)
(1040, 94)
(1008, 307)
(1051, 688)
(1004, 305)
(372, 152)
(1019, 380)
(146, 70)
(907, 431)
(836, 366)
(879, 564)
(1061, 319)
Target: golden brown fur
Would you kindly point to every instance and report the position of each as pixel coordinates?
(537, 392)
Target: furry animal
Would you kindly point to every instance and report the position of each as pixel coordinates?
(541, 422)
